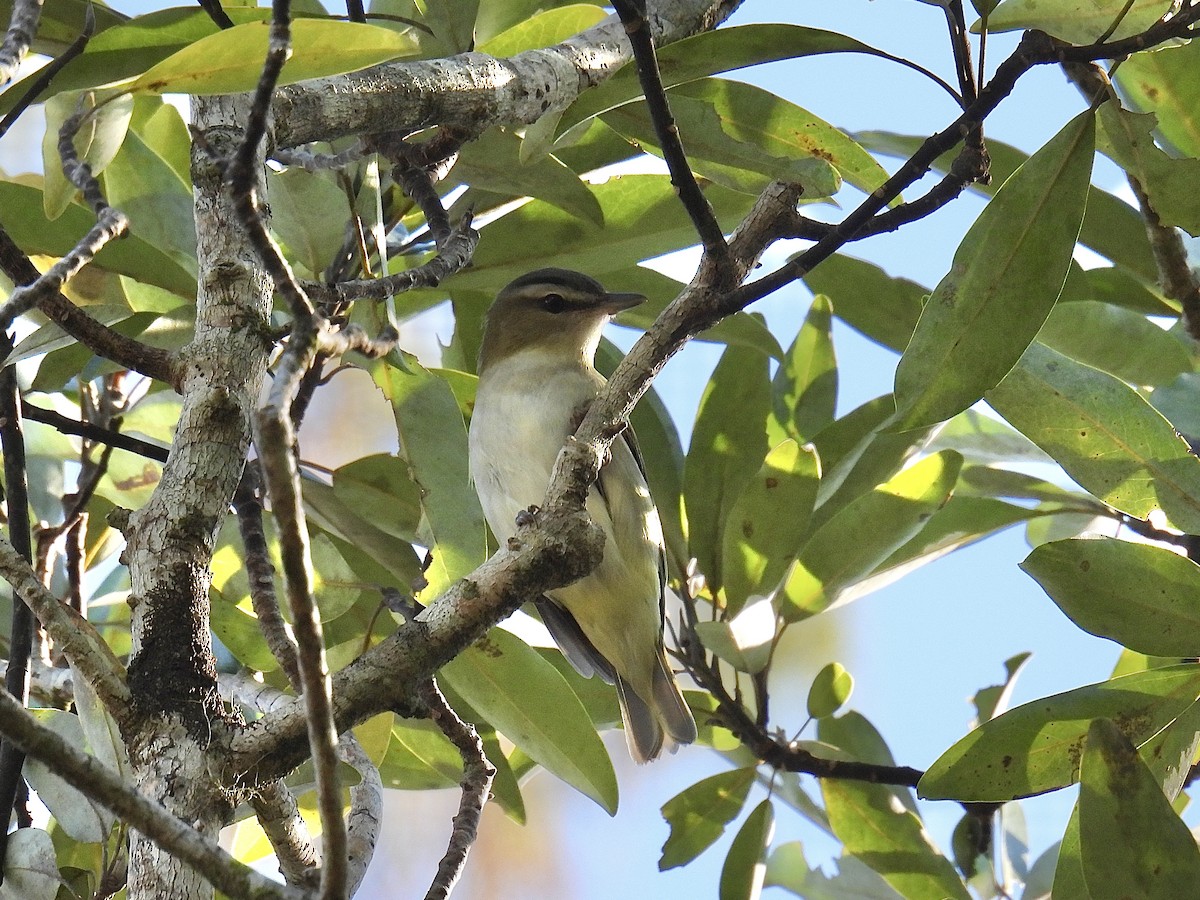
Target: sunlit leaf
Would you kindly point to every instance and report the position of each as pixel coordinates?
(1007, 273)
(1036, 747)
(527, 700)
(698, 815)
(1167, 84)
(433, 440)
(768, 521)
(1078, 21)
(745, 866)
(842, 552)
(230, 61)
(1101, 431)
(728, 445)
(804, 389)
(1144, 597)
(1132, 843)
(829, 691)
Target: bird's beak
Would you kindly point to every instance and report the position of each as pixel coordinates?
(614, 303)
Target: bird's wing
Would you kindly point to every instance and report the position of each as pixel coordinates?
(627, 441)
(580, 652)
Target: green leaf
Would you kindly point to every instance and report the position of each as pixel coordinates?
(962, 521)
(1144, 597)
(804, 390)
(742, 128)
(746, 863)
(1078, 21)
(699, 814)
(419, 757)
(529, 702)
(984, 439)
(82, 818)
(231, 61)
(30, 866)
(453, 24)
(767, 522)
(1165, 179)
(144, 186)
(890, 839)
(1111, 227)
(128, 48)
(1132, 843)
(1007, 273)
(728, 444)
(866, 298)
(787, 868)
(1036, 747)
(96, 141)
(311, 240)
(991, 701)
(551, 26)
(711, 52)
(1101, 431)
(842, 552)
(829, 691)
(643, 218)
(238, 631)
(380, 489)
(1115, 340)
(21, 213)
(746, 640)
(325, 510)
(1120, 287)
(492, 162)
(1167, 83)
(1069, 880)
(433, 440)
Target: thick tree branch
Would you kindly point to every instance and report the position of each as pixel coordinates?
(474, 91)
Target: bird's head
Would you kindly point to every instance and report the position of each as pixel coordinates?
(554, 311)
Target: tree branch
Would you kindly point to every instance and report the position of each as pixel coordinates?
(476, 782)
(99, 783)
(474, 91)
(712, 238)
(73, 634)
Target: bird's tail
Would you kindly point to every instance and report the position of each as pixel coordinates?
(647, 725)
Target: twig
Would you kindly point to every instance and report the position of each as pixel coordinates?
(65, 425)
(366, 811)
(279, 816)
(633, 17)
(217, 13)
(71, 633)
(16, 679)
(22, 26)
(1036, 48)
(476, 782)
(99, 783)
(100, 339)
(261, 573)
(275, 439)
(49, 71)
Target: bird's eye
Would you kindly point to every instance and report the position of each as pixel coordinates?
(554, 303)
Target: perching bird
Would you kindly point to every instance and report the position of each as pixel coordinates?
(536, 380)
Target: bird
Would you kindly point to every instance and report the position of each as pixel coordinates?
(537, 377)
